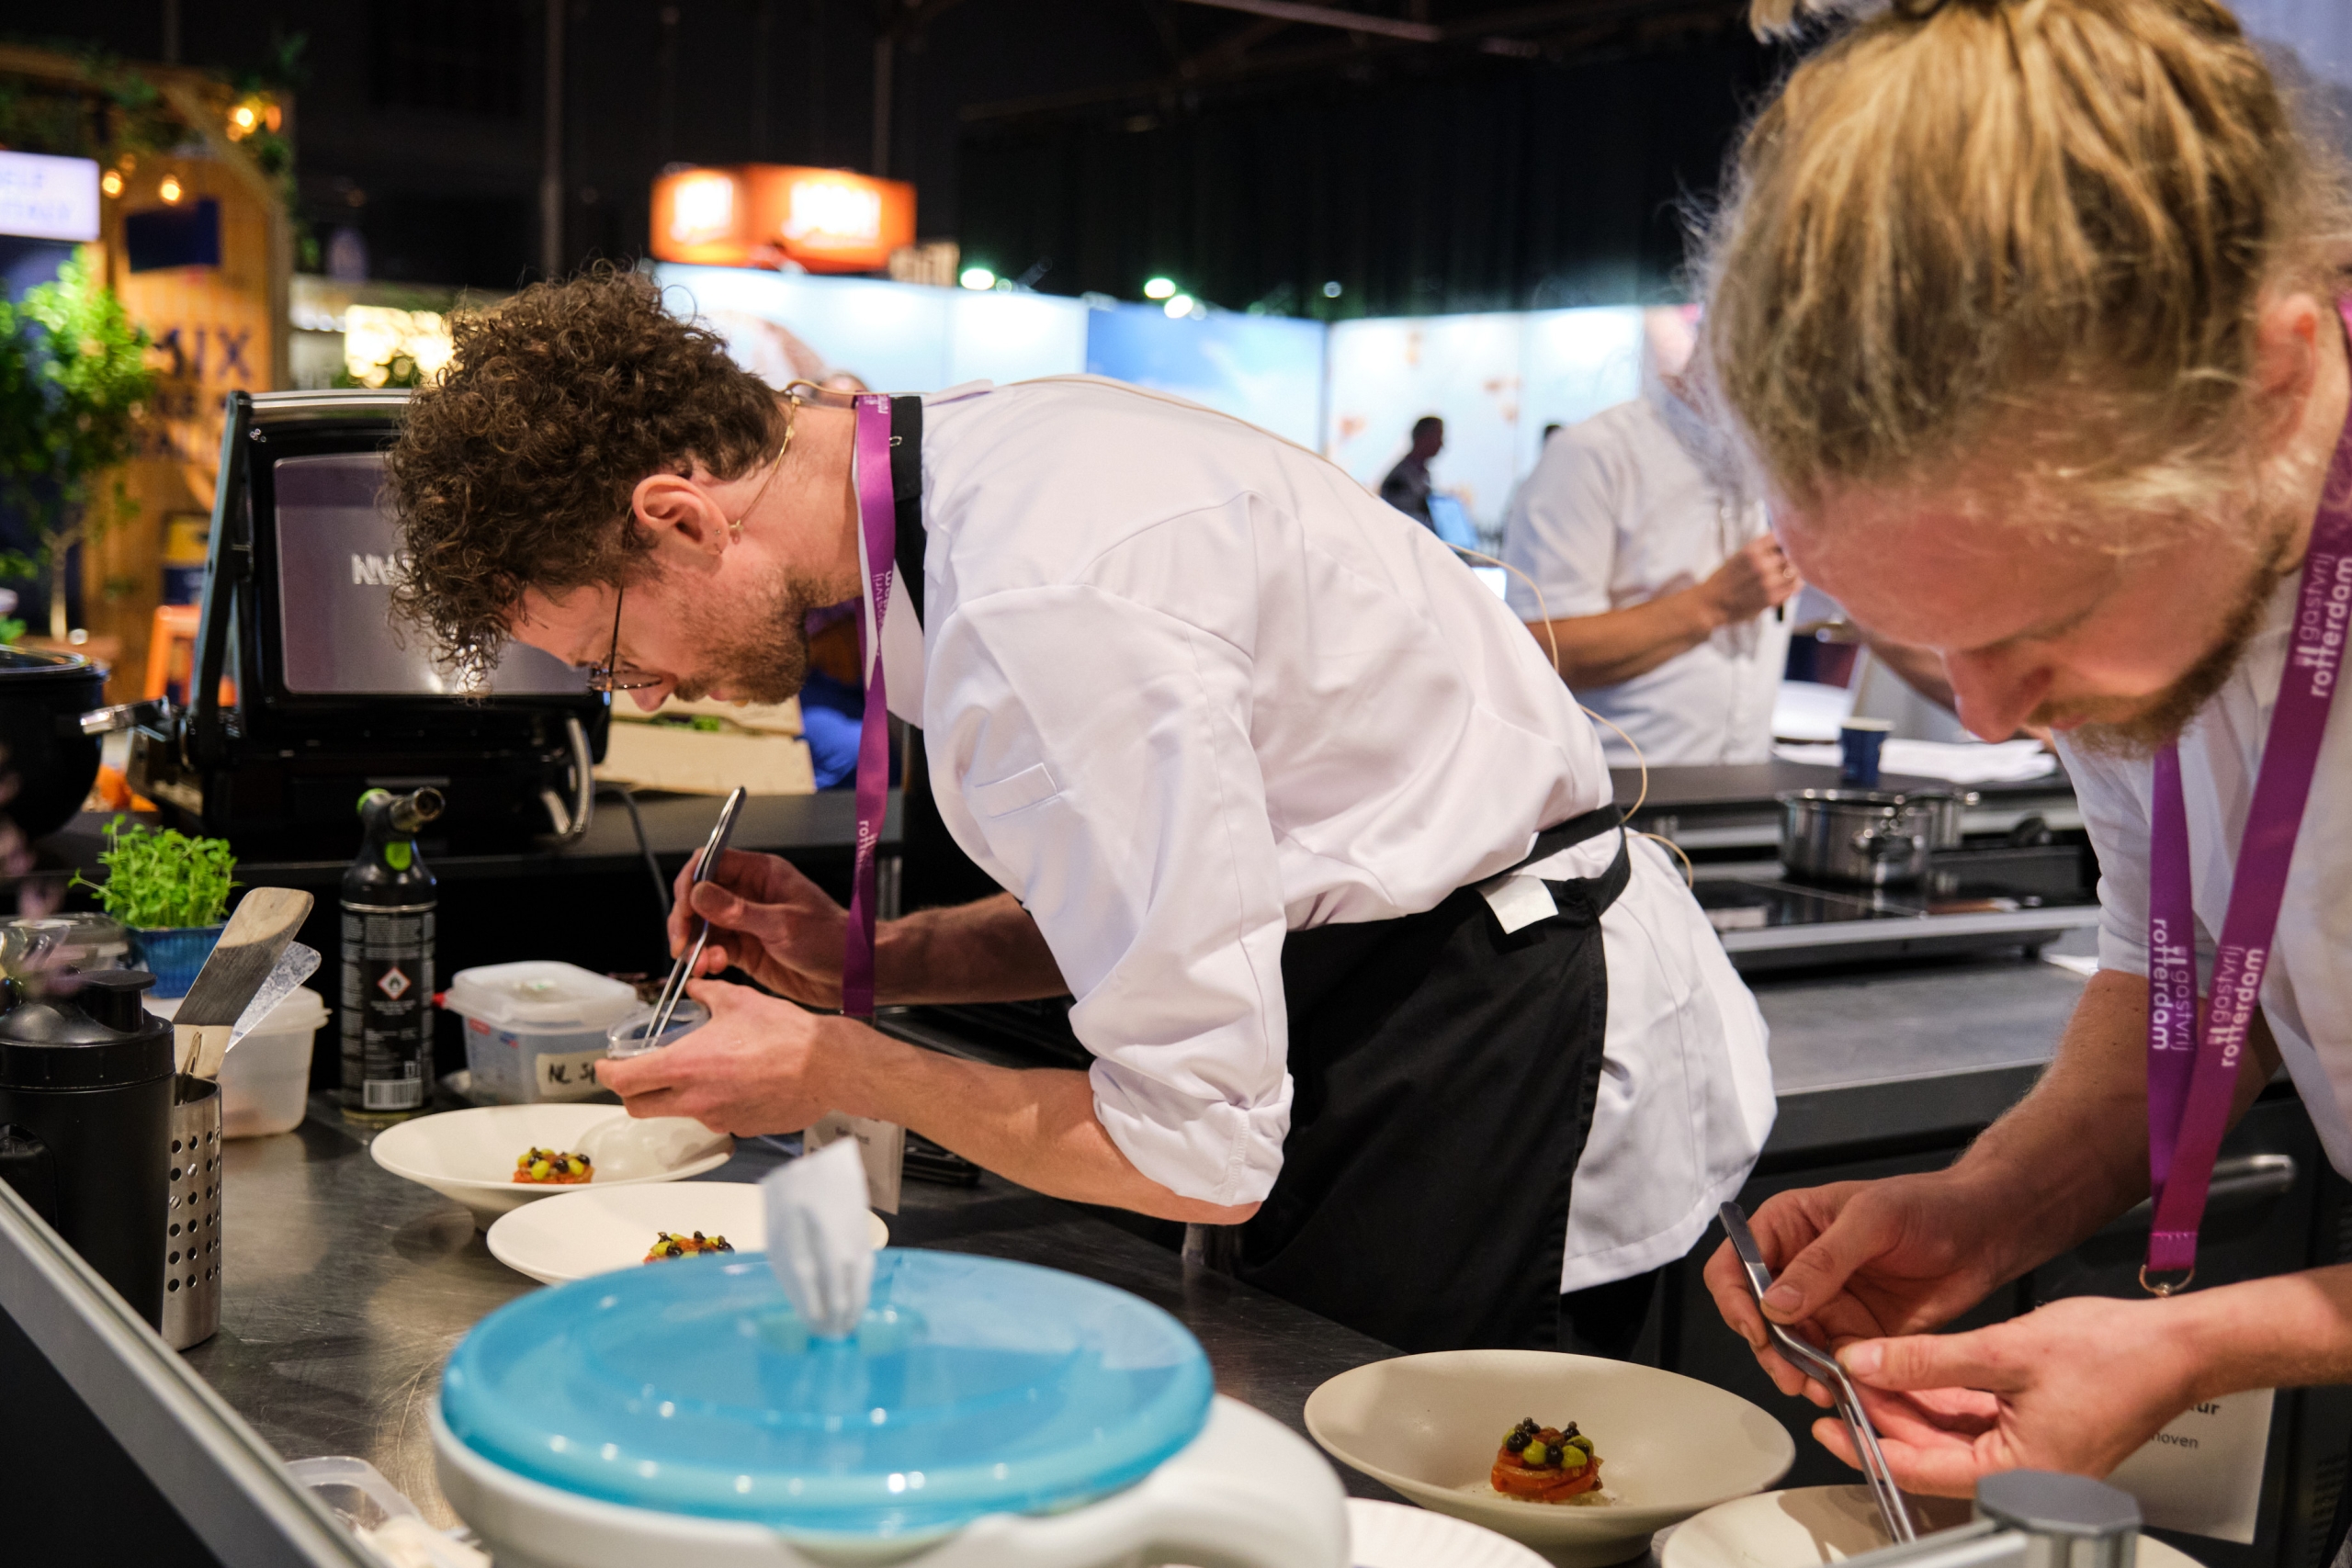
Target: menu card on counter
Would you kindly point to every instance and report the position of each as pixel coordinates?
(2203, 1473)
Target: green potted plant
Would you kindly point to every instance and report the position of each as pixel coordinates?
(74, 377)
(171, 892)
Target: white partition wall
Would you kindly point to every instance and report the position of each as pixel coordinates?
(1495, 379)
(891, 337)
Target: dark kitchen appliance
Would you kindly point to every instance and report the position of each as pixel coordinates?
(324, 697)
(85, 1111)
(45, 752)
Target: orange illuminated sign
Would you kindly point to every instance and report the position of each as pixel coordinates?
(768, 214)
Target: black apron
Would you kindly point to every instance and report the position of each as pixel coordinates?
(1443, 1075)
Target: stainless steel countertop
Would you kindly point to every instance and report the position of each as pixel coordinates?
(345, 1289)
(348, 1287)
(1928, 1050)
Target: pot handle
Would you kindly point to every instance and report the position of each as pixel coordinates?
(1877, 845)
(106, 721)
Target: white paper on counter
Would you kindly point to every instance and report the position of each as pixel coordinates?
(2203, 1473)
(1959, 763)
(883, 1143)
(819, 1241)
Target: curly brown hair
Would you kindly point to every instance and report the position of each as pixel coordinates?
(515, 470)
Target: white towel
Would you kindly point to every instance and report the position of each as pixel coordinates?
(819, 1240)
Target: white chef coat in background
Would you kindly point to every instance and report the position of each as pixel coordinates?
(1620, 509)
(1193, 688)
(2307, 991)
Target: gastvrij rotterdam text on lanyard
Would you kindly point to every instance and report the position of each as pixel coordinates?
(2193, 1063)
(877, 519)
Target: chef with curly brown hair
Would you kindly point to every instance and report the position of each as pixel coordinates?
(1278, 792)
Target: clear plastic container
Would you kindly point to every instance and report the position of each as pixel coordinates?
(265, 1076)
(627, 1038)
(535, 1029)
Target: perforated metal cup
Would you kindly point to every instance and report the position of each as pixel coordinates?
(192, 1254)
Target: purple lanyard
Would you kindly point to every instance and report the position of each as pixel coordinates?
(2193, 1064)
(878, 515)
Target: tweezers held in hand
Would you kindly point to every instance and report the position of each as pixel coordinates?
(683, 968)
(1823, 1366)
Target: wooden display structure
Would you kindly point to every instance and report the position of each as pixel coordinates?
(215, 330)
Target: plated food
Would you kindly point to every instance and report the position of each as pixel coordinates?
(468, 1155)
(1546, 1464)
(571, 1232)
(551, 1168)
(671, 1244)
(1428, 1425)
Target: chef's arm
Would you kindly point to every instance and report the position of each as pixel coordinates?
(989, 950)
(1618, 645)
(2073, 1153)
(1035, 1126)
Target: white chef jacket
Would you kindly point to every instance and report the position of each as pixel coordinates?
(1184, 688)
(2307, 991)
(1619, 510)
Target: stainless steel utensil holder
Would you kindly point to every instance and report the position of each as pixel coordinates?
(192, 1255)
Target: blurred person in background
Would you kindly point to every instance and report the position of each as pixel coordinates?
(1641, 553)
(1407, 488)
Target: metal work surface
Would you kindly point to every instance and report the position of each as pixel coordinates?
(1939, 1049)
(347, 1288)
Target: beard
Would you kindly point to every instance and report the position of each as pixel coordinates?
(755, 653)
(2140, 728)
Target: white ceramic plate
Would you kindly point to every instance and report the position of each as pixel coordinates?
(590, 1230)
(1671, 1446)
(1811, 1527)
(1390, 1535)
(470, 1155)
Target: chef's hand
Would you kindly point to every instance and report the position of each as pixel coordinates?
(1859, 1260)
(2077, 1386)
(769, 921)
(750, 1070)
(1755, 579)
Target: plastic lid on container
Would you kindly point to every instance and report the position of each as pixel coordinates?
(975, 1386)
(539, 994)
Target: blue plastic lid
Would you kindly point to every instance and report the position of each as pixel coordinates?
(975, 1386)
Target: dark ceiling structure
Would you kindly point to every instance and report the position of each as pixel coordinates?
(1422, 154)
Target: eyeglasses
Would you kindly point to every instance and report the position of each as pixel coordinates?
(609, 676)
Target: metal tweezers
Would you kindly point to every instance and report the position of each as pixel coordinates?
(680, 971)
(1825, 1367)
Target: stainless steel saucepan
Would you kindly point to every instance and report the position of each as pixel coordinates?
(1865, 837)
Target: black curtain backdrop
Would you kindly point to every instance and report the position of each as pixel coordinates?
(1491, 186)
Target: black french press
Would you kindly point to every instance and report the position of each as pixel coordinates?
(86, 1106)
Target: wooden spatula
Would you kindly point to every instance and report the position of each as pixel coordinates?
(266, 920)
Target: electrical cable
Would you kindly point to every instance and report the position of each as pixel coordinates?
(645, 849)
(1552, 640)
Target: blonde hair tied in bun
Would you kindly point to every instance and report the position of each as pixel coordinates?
(2033, 237)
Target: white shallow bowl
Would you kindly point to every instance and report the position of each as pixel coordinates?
(470, 1155)
(1390, 1535)
(592, 1230)
(1811, 1527)
(1671, 1446)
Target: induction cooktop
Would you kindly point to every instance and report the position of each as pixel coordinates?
(1973, 902)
